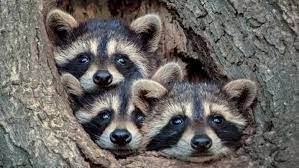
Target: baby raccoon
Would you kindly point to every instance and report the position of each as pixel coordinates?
(111, 119)
(101, 54)
(195, 122)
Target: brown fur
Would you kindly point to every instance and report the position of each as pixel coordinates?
(156, 88)
(242, 88)
(198, 103)
(146, 89)
(145, 24)
(59, 20)
(168, 73)
(72, 84)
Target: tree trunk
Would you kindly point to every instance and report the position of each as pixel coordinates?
(217, 39)
(37, 128)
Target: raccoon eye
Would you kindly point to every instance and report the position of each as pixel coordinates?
(106, 115)
(139, 119)
(217, 120)
(178, 120)
(121, 59)
(83, 59)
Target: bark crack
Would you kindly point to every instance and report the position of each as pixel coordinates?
(18, 150)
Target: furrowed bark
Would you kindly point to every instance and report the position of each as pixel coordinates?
(37, 128)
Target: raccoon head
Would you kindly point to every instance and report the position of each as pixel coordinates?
(196, 122)
(112, 121)
(101, 53)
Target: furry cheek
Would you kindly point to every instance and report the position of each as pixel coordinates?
(217, 147)
(104, 140)
(183, 148)
(86, 80)
(136, 136)
(117, 77)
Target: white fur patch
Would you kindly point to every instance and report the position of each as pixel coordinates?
(213, 108)
(84, 115)
(94, 46)
(63, 56)
(217, 147)
(169, 111)
(104, 140)
(136, 135)
(117, 77)
(183, 147)
(125, 47)
(87, 79)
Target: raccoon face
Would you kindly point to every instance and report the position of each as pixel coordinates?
(101, 54)
(196, 122)
(112, 122)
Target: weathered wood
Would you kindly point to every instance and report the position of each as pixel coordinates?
(226, 38)
(37, 128)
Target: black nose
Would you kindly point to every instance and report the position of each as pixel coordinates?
(120, 137)
(201, 142)
(102, 77)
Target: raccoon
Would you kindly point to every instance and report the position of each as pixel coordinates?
(111, 119)
(102, 53)
(195, 122)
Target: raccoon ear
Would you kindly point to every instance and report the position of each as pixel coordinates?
(144, 91)
(72, 85)
(149, 28)
(243, 91)
(60, 25)
(168, 74)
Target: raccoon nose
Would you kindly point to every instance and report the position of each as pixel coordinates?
(201, 142)
(102, 77)
(120, 137)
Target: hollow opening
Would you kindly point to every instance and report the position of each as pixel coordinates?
(176, 43)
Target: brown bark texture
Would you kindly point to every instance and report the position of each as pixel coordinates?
(217, 39)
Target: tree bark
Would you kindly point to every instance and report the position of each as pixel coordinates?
(225, 38)
(37, 128)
